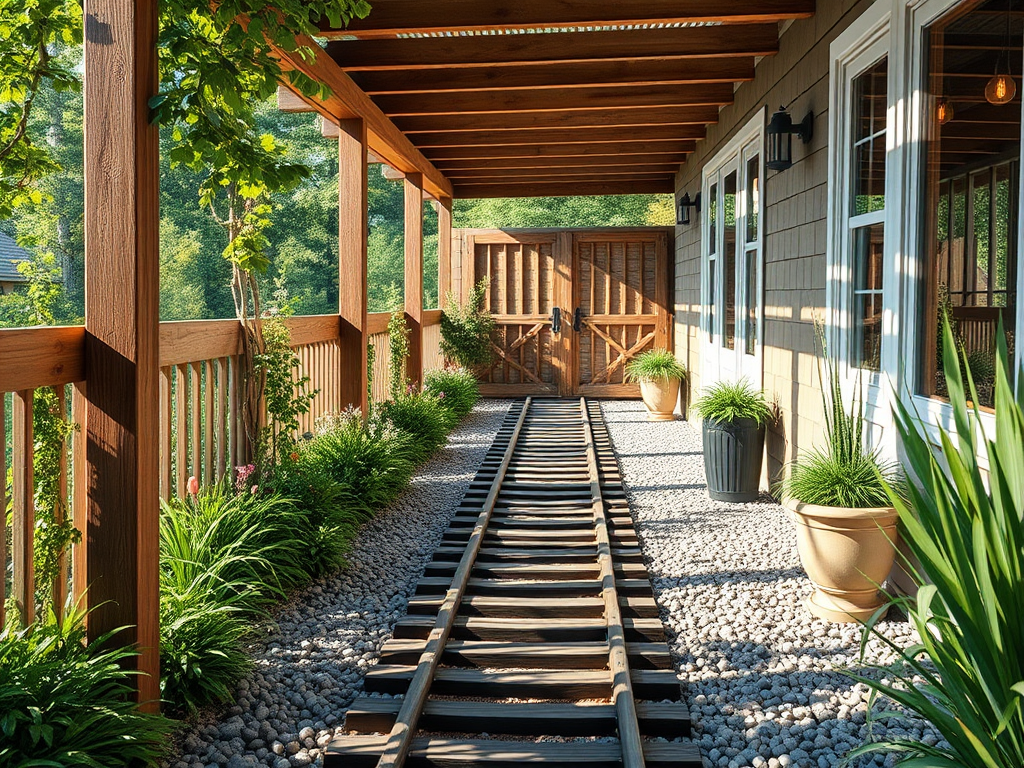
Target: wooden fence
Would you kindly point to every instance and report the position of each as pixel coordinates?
(200, 414)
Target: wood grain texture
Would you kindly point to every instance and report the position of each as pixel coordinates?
(502, 50)
(561, 189)
(559, 75)
(414, 274)
(669, 162)
(411, 16)
(41, 357)
(122, 328)
(557, 135)
(668, 148)
(23, 517)
(353, 230)
(444, 249)
(569, 118)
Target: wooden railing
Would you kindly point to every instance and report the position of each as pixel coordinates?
(201, 431)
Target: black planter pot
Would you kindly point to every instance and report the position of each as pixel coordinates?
(733, 451)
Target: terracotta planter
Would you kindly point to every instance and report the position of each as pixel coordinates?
(847, 554)
(660, 396)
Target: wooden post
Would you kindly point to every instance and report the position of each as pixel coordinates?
(353, 228)
(414, 273)
(444, 248)
(122, 270)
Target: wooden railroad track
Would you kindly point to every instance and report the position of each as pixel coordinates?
(534, 619)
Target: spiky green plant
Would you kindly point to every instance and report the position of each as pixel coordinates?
(728, 401)
(66, 701)
(844, 473)
(421, 416)
(655, 365)
(466, 329)
(456, 390)
(964, 524)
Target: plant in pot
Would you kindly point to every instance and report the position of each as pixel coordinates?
(836, 496)
(735, 415)
(659, 375)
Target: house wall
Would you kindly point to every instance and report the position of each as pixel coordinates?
(795, 233)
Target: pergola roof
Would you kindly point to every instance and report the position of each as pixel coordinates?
(518, 98)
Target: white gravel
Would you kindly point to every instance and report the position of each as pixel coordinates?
(760, 673)
(311, 664)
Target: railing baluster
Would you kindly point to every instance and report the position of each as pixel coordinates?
(60, 589)
(196, 418)
(209, 418)
(181, 424)
(222, 417)
(78, 489)
(24, 591)
(166, 457)
(233, 406)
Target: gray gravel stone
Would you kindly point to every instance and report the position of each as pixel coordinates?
(311, 660)
(759, 672)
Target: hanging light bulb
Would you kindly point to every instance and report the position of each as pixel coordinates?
(943, 111)
(1000, 89)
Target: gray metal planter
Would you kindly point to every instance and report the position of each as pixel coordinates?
(733, 452)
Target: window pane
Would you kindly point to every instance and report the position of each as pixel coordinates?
(868, 161)
(868, 245)
(729, 260)
(713, 220)
(753, 197)
(712, 301)
(980, 220)
(751, 300)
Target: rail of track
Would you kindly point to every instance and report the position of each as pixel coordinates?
(533, 636)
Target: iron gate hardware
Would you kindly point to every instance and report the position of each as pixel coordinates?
(577, 320)
(556, 320)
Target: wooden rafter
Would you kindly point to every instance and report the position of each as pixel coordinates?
(412, 16)
(501, 50)
(561, 150)
(670, 160)
(458, 177)
(555, 135)
(564, 189)
(570, 118)
(559, 75)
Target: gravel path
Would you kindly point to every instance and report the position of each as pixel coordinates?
(311, 664)
(761, 673)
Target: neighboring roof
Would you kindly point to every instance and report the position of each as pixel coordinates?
(11, 254)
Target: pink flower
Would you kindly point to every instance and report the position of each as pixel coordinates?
(440, 396)
(242, 475)
(254, 490)
(193, 486)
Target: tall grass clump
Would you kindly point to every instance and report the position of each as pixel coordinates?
(456, 391)
(655, 365)
(66, 701)
(421, 416)
(965, 526)
(728, 401)
(845, 472)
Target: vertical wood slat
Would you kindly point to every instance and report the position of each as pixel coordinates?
(181, 424)
(79, 489)
(222, 417)
(196, 418)
(23, 586)
(60, 588)
(235, 457)
(209, 416)
(3, 509)
(166, 457)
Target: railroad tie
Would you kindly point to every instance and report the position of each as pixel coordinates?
(535, 618)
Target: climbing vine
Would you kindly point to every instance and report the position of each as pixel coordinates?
(398, 338)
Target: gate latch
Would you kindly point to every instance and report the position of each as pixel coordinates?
(556, 320)
(577, 320)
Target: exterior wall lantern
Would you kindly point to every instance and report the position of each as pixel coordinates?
(683, 208)
(779, 138)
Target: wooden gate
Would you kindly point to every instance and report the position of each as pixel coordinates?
(606, 290)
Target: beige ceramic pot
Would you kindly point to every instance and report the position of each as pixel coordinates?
(660, 396)
(847, 554)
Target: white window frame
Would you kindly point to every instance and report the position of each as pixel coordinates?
(748, 141)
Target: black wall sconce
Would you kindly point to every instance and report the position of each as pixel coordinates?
(779, 138)
(683, 208)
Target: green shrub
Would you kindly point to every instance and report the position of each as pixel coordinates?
(654, 365)
(456, 390)
(67, 702)
(375, 461)
(420, 415)
(466, 330)
(965, 526)
(732, 400)
(844, 473)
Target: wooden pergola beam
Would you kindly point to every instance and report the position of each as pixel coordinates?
(503, 50)
(411, 16)
(353, 231)
(558, 75)
(579, 118)
(414, 274)
(670, 160)
(555, 135)
(460, 176)
(546, 99)
(347, 101)
(563, 150)
(561, 178)
(564, 189)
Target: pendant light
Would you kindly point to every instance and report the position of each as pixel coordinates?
(943, 111)
(1001, 88)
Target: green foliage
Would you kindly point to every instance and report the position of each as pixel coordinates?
(420, 415)
(398, 351)
(455, 389)
(732, 400)
(32, 32)
(372, 459)
(654, 365)
(67, 702)
(965, 526)
(594, 211)
(844, 473)
(466, 330)
(286, 394)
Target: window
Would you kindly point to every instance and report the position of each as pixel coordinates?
(867, 212)
(751, 247)
(971, 176)
(712, 241)
(729, 260)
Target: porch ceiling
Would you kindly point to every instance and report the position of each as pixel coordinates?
(518, 98)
